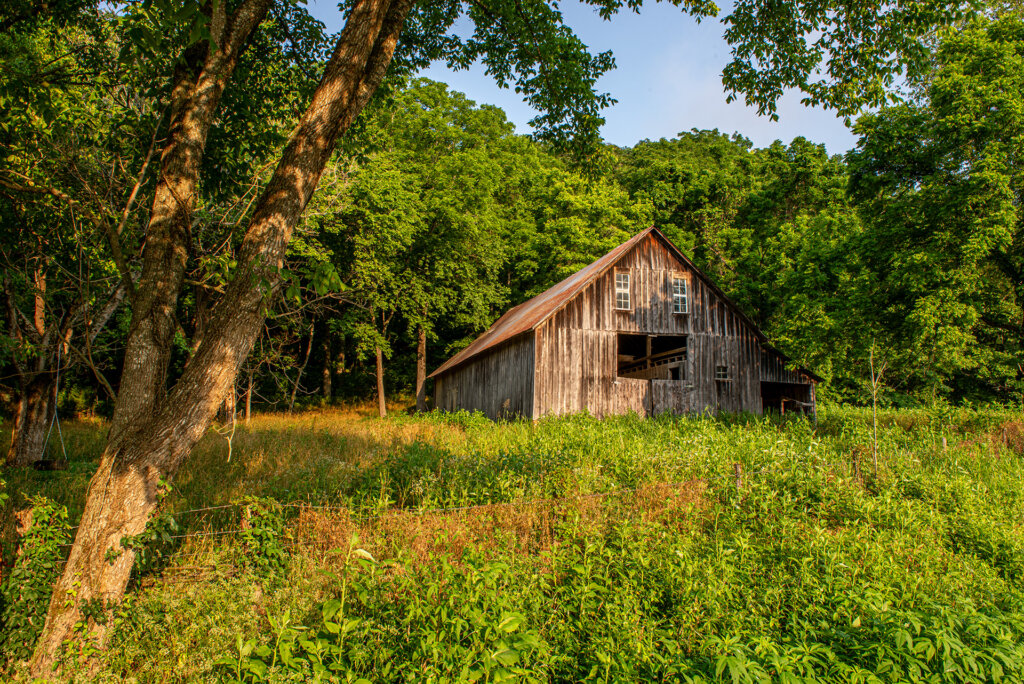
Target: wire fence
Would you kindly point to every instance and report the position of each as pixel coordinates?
(737, 477)
(456, 509)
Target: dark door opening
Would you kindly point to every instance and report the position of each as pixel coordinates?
(784, 397)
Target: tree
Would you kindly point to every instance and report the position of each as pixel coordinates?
(939, 182)
(67, 183)
(447, 148)
(383, 212)
(696, 184)
(523, 43)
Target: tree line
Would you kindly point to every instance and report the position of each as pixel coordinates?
(203, 204)
(440, 217)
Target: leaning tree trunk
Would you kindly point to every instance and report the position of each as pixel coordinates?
(154, 432)
(248, 395)
(32, 420)
(382, 408)
(421, 369)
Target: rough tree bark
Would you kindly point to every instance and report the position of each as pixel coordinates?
(31, 420)
(154, 430)
(382, 407)
(421, 369)
(198, 84)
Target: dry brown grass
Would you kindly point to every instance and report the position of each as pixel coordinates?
(1007, 435)
(1011, 435)
(528, 527)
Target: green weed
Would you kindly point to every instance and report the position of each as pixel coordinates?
(645, 561)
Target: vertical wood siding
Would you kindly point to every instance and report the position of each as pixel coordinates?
(499, 383)
(773, 369)
(576, 347)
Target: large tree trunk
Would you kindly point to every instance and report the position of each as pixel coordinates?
(153, 431)
(31, 421)
(198, 84)
(382, 407)
(36, 385)
(421, 369)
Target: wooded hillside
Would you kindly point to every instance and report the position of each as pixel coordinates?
(445, 218)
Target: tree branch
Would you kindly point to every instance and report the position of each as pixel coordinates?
(31, 187)
(1017, 330)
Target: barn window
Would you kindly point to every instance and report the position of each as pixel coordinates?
(680, 296)
(721, 372)
(622, 291)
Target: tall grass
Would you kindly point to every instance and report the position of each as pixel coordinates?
(806, 573)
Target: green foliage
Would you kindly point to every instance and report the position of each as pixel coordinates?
(155, 545)
(465, 627)
(939, 181)
(262, 536)
(845, 55)
(436, 218)
(807, 573)
(26, 589)
(803, 576)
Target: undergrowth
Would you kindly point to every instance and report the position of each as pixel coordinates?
(614, 550)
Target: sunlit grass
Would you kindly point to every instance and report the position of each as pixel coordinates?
(804, 542)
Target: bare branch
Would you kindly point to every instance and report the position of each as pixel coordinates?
(138, 182)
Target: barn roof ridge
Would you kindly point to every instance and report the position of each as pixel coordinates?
(528, 315)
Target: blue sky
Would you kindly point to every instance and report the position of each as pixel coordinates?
(667, 80)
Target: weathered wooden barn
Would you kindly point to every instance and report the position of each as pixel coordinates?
(641, 329)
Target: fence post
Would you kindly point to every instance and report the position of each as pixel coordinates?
(737, 473)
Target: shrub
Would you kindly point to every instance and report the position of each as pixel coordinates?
(25, 592)
(262, 536)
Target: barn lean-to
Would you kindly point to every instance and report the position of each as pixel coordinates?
(641, 329)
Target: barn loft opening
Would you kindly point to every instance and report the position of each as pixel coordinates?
(661, 357)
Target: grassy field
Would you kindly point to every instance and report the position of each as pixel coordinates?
(449, 548)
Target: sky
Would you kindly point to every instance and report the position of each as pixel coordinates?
(668, 79)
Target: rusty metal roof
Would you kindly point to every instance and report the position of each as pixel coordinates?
(531, 313)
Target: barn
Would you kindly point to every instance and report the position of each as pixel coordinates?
(641, 329)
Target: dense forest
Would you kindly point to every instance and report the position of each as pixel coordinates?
(436, 217)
